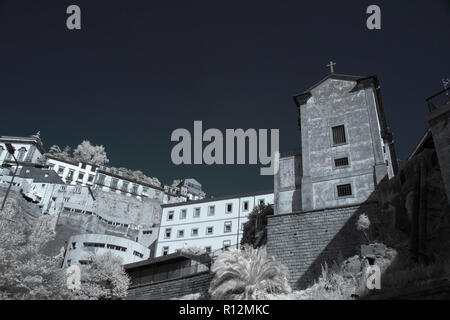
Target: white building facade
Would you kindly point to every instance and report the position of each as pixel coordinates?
(73, 172)
(28, 149)
(212, 224)
(82, 248)
(112, 180)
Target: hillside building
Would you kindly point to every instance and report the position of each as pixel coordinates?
(28, 149)
(212, 224)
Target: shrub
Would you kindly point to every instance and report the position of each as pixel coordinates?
(247, 274)
(103, 279)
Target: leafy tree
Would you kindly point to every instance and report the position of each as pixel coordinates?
(104, 279)
(86, 152)
(255, 229)
(54, 150)
(25, 273)
(247, 274)
(193, 250)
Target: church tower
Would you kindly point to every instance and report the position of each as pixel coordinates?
(347, 148)
(319, 193)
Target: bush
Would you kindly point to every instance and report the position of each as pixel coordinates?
(247, 274)
(103, 279)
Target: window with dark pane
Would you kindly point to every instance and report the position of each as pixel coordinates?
(341, 162)
(344, 190)
(339, 135)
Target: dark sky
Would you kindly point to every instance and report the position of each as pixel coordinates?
(137, 70)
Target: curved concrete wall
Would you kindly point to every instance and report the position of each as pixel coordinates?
(82, 248)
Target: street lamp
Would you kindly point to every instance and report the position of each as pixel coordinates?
(11, 151)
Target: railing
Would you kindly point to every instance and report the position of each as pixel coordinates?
(439, 100)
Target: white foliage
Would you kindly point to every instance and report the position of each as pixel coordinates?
(363, 222)
(247, 274)
(193, 250)
(86, 152)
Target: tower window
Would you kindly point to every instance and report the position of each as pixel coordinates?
(341, 162)
(339, 135)
(344, 190)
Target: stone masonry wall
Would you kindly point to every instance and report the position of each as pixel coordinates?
(165, 290)
(439, 121)
(305, 241)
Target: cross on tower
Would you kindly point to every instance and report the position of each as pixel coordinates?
(331, 65)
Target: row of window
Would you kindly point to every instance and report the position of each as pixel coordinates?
(125, 187)
(227, 228)
(211, 210)
(20, 154)
(71, 173)
(108, 246)
(77, 189)
(112, 223)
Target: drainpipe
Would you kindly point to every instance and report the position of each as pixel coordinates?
(238, 228)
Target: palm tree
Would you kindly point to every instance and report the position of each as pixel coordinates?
(247, 273)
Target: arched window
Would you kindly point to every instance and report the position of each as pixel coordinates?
(22, 152)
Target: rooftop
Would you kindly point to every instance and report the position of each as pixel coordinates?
(34, 139)
(241, 195)
(173, 257)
